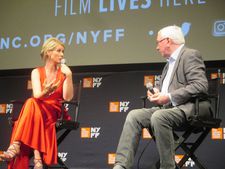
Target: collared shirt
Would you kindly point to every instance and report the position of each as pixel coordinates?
(171, 60)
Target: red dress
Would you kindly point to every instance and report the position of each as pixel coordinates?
(35, 127)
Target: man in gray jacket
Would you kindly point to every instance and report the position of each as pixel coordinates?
(183, 78)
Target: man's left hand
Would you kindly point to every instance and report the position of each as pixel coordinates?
(159, 99)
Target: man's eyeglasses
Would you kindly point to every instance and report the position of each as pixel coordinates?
(161, 40)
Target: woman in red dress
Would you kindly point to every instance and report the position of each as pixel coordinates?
(34, 131)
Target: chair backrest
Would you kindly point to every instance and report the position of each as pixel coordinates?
(78, 90)
(201, 103)
(214, 96)
(73, 106)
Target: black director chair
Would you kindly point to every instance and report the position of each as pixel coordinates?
(197, 127)
(63, 127)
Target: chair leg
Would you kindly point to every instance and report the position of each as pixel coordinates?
(189, 151)
(63, 136)
(59, 141)
(62, 164)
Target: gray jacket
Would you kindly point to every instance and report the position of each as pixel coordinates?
(188, 80)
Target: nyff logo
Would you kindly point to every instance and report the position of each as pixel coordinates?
(92, 82)
(62, 156)
(90, 132)
(188, 163)
(6, 108)
(119, 106)
(153, 79)
(218, 75)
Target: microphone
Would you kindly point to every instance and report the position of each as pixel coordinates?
(149, 86)
(63, 61)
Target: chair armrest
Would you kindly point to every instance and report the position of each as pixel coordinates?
(67, 124)
(210, 123)
(17, 101)
(70, 102)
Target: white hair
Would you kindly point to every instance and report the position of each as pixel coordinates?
(174, 33)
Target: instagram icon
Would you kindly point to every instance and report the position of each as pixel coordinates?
(219, 28)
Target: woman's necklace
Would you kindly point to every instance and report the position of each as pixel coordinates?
(50, 75)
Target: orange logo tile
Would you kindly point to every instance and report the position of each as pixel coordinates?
(85, 132)
(114, 106)
(217, 134)
(150, 78)
(178, 158)
(146, 134)
(2, 108)
(88, 82)
(111, 158)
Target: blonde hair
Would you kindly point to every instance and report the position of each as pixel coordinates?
(49, 45)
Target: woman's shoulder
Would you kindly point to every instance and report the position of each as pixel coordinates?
(38, 70)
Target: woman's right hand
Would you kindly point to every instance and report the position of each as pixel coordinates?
(66, 70)
(50, 87)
